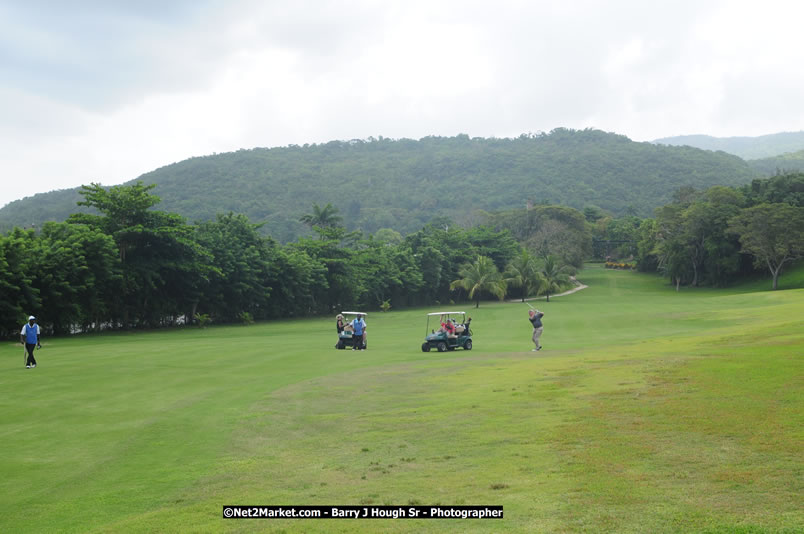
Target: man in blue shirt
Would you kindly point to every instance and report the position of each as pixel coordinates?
(29, 336)
(360, 332)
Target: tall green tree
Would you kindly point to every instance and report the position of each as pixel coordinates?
(386, 272)
(439, 249)
(161, 262)
(296, 281)
(334, 251)
(243, 260)
(481, 276)
(772, 233)
(721, 249)
(647, 255)
(124, 212)
(523, 272)
(18, 296)
(77, 272)
(671, 244)
(326, 217)
(499, 245)
(616, 237)
(781, 188)
(692, 244)
(554, 274)
(549, 230)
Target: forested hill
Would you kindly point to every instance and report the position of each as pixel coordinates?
(402, 184)
(763, 146)
(792, 161)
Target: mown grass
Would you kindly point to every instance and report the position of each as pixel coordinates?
(648, 411)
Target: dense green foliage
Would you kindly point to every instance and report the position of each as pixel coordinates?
(403, 184)
(132, 266)
(772, 233)
(162, 264)
(548, 231)
(763, 146)
(716, 235)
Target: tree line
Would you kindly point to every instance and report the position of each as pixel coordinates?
(713, 236)
(129, 265)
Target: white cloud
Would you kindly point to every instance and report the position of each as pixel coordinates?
(99, 91)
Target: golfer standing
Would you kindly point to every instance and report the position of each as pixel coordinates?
(359, 326)
(536, 321)
(339, 324)
(29, 336)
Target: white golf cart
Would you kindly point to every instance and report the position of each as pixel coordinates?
(347, 337)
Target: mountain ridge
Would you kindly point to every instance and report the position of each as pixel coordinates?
(747, 148)
(404, 183)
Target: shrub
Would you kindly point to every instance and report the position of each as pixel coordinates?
(203, 319)
(618, 265)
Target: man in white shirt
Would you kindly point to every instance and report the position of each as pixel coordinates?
(29, 336)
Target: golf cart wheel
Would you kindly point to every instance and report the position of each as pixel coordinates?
(425, 347)
(467, 345)
(441, 346)
(340, 345)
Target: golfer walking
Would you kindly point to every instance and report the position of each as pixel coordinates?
(29, 336)
(536, 321)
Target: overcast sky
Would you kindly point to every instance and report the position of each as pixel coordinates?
(105, 90)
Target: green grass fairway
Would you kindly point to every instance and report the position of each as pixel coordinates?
(649, 410)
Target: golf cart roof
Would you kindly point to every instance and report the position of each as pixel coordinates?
(447, 313)
(354, 313)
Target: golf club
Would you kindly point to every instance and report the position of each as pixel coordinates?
(24, 354)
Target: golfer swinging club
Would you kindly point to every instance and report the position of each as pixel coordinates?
(536, 320)
(29, 336)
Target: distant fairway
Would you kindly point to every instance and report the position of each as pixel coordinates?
(648, 411)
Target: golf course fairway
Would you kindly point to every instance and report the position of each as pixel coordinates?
(648, 410)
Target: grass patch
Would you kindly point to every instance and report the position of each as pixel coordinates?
(649, 410)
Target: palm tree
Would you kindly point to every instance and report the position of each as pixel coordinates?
(523, 272)
(482, 275)
(326, 217)
(554, 275)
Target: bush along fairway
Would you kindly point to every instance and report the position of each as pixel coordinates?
(648, 410)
